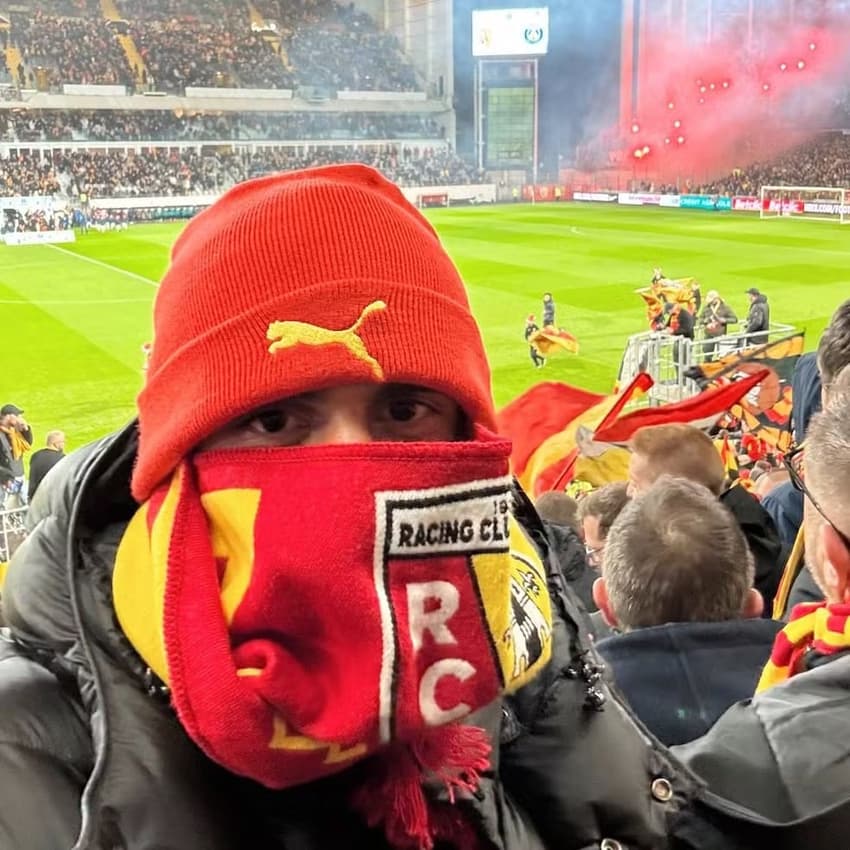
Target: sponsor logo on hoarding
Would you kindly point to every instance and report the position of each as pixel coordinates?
(643, 198)
(43, 237)
(746, 203)
(706, 202)
(828, 207)
(606, 197)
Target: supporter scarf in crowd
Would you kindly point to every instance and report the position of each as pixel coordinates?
(312, 606)
(816, 626)
(17, 441)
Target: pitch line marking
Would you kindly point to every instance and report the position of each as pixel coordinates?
(39, 302)
(109, 266)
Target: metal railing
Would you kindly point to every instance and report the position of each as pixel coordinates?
(668, 358)
(13, 530)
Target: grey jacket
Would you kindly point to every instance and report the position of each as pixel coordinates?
(778, 766)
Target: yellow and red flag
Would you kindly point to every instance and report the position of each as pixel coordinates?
(551, 341)
(590, 443)
(545, 445)
(682, 291)
(765, 411)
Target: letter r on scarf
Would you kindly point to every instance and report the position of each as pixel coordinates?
(433, 621)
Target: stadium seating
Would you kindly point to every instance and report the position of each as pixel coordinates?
(86, 125)
(822, 161)
(70, 50)
(163, 172)
(27, 174)
(172, 44)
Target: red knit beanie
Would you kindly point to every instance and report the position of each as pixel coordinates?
(296, 282)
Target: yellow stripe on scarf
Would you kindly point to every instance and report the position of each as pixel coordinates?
(19, 444)
(812, 627)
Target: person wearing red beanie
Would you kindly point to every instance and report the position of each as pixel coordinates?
(300, 602)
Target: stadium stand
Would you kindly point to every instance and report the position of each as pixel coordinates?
(114, 125)
(163, 172)
(70, 50)
(822, 161)
(27, 174)
(171, 44)
(208, 54)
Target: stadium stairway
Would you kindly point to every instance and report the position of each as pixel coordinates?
(14, 61)
(257, 20)
(134, 58)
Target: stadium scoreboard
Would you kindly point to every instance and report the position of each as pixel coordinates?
(510, 32)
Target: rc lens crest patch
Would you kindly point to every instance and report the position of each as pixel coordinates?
(521, 619)
(464, 604)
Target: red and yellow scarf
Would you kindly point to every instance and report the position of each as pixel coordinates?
(815, 626)
(310, 607)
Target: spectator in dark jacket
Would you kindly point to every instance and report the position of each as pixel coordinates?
(686, 452)
(45, 459)
(677, 581)
(833, 357)
(782, 759)
(758, 318)
(15, 441)
(283, 608)
(558, 512)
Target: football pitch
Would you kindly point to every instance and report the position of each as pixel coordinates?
(76, 316)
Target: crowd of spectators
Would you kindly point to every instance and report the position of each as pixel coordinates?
(180, 53)
(71, 50)
(28, 174)
(211, 43)
(822, 161)
(164, 10)
(163, 172)
(160, 172)
(138, 125)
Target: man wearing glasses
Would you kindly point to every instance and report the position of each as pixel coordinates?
(596, 514)
(784, 756)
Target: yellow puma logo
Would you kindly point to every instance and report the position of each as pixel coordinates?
(287, 334)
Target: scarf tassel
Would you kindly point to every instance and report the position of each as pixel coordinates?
(393, 796)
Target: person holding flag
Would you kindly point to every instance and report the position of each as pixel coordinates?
(531, 330)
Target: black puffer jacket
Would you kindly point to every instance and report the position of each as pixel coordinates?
(95, 759)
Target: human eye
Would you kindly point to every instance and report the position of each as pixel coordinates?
(280, 424)
(413, 413)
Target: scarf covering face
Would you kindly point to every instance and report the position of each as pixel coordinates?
(813, 626)
(309, 607)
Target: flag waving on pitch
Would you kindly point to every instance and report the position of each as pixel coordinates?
(551, 341)
(765, 411)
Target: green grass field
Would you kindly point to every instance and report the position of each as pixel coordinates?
(75, 317)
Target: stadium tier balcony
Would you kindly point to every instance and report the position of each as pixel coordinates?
(62, 8)
(114, 126)
(166, 10)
